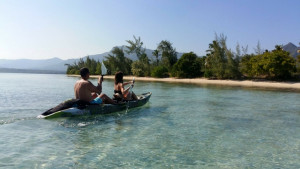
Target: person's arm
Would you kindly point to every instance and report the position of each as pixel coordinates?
(96, 89)
(126, 83)
(123, 90)
(99, 86)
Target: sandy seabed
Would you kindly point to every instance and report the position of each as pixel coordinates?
(203, 81)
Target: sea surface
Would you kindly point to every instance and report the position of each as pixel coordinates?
(182, 126)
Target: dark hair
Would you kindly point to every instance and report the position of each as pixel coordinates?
(119, 77)
(84, 71)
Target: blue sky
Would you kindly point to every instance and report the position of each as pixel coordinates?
(35, 29)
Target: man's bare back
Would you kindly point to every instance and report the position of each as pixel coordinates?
(83, 90)
(86, 91)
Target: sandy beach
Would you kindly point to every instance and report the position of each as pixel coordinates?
(203, 81)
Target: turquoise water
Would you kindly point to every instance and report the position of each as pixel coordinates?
(183, 126)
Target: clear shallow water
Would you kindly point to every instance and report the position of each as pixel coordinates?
(183, 126)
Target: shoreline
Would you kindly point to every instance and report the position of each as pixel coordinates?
(203, 81)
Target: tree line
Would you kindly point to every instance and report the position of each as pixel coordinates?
(220, 62)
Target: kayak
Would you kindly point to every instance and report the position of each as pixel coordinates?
(93, 109)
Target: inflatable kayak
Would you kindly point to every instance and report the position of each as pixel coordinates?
(73, 109)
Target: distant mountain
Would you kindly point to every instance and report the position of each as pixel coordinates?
(46, 64)
(57, 64)
(292, 49)
(10, 70)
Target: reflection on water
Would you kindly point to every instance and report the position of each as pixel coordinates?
(183, 126)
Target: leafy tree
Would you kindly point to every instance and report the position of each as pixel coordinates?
(232, 66)
(144, 59)
(88, 62)
(258, 50)
(138, 68)
(118, 62)
(277, 64)
(238, 50)
(202, 60)
(156, 54)
(160, 72)
(187, 66)
(246, 65)
(168, 53)
(142, 66)
(221, 62)
(111, 64)
(91, 64)
(81, 63)
(98, 68)
(215, 60)
(298, 63)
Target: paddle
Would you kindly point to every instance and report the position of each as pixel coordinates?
(130, 90)
(103, 70)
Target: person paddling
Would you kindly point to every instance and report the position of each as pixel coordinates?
(119, 88)
(86, 91)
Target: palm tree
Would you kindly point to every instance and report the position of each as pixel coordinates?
(136, 47)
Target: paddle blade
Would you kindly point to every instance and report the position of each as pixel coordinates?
(103, 69)
(130, 90)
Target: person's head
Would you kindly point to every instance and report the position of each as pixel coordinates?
(119, 77)
(84, 73)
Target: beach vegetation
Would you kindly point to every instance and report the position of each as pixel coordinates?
(141, 67)
(89, 63)
(275, 64)
(118, 62)
(220, 62)
(156, 54)
(188, 66)
(136, 46)
(160, 72)
(168, 54)
(298, 64)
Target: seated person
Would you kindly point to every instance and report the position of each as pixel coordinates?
(86, 91)
(120, 93)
